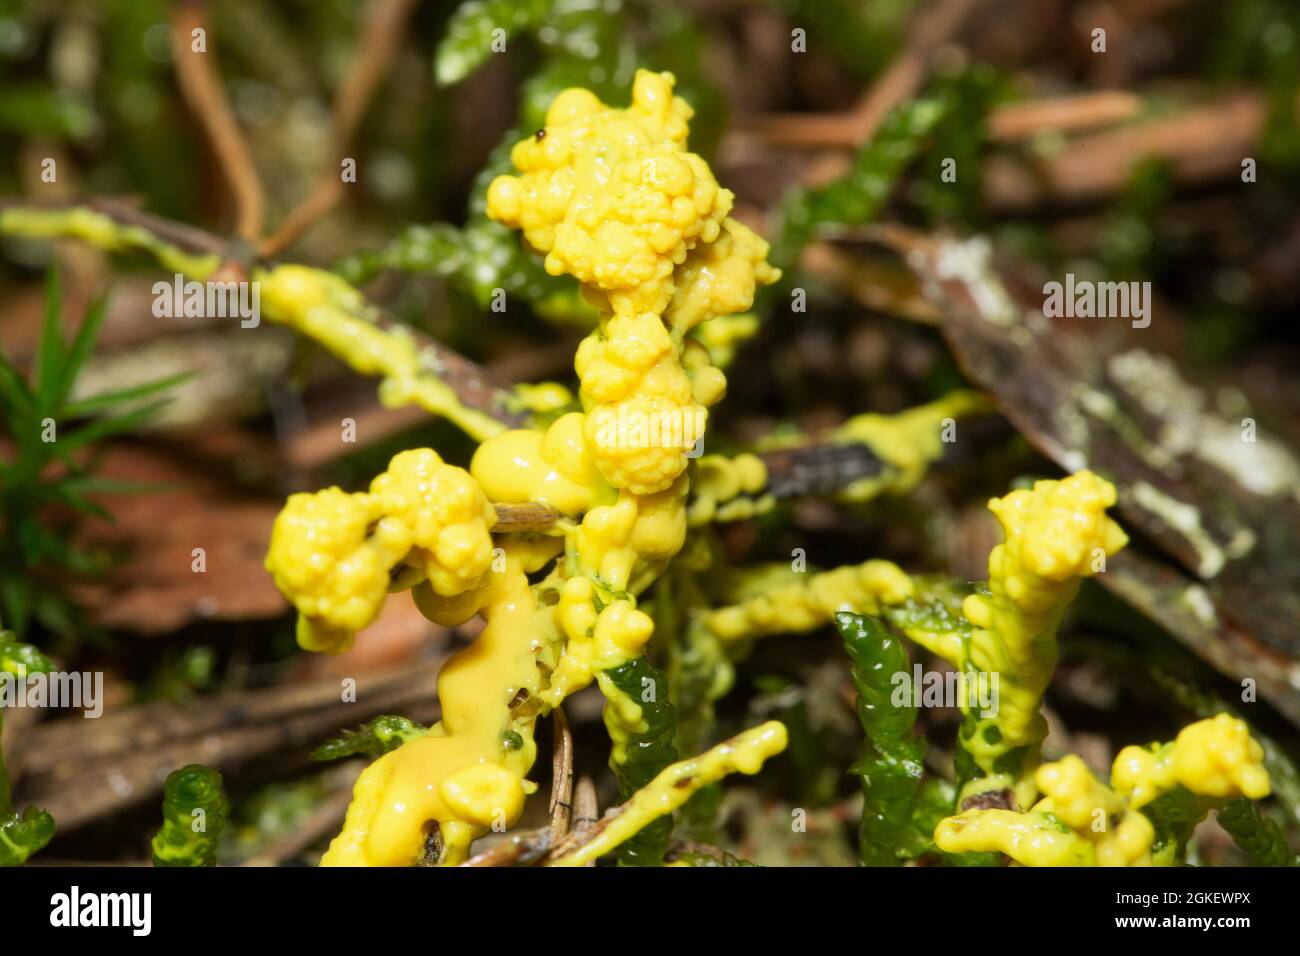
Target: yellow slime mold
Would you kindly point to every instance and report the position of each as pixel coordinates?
(676, 784)
(1082, 822)
(613, 198)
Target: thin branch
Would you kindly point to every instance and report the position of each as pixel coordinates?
(519, 849)
(201, 86)
(561, 775)
(383, 32)
(1010, 122)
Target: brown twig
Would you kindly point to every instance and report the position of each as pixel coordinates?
(561, 776)
(900, 81)
(586, 809)
(1010, 122)
(519, 849)
(382, 34)
(123, 757)
(201, 86)
(1200, 144)
(1063, 114)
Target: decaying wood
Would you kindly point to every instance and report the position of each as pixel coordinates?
(81, 770)
(1213, 492)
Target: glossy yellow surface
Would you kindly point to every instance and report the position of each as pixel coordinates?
(1082, 822)
(907, 442)
(804, 602)
(1211, 758)
(325, 308)
(728, 489)
(1055, 535)
(104, 232)
(614, 199)
(744, 753)
(333, 554)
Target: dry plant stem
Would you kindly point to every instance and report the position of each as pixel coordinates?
(383, 32)
(905, 75)
(124, 757)
(1203, 143)
(561, 775)
(577, 839)
(586, 810)
(1063, 114)
(901, 81)
(201, 87)
(1010, 122)
(520, 849)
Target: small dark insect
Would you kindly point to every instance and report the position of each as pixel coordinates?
(540, 134)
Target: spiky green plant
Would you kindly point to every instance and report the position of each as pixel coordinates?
(47, 463)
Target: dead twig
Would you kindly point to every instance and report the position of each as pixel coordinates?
(1010, 122)
(561, 775)
(520, 849)
(201, 86)
(83, 770)
(382, 34)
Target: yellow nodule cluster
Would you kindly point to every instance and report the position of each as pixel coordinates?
(334, 554)
(803, 602)
(729, 488)
(614, 199)
(744, 753)
(1082, 822)
(1213, 758)
(326, 309)
(1055, 535)
(612, 196)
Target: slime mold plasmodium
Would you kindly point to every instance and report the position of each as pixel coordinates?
(613, 198)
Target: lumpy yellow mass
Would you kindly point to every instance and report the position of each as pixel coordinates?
(1080, 821)
(614, 198)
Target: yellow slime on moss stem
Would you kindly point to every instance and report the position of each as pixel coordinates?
(614, 198)
(676, 784)
(1081, 821)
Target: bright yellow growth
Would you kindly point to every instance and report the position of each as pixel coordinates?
(676, 784)
(728, 489)
(1056, 534)
(1082, 822)
(804, 602)
(1214, 758)
(613, 197)
(326, 309)
(908, 442)
(334, 555)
